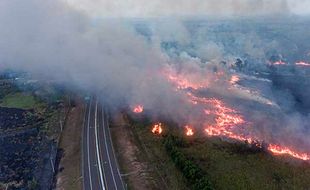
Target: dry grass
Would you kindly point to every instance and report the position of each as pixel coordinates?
(233, 166)
(70, 142)
(144, 159)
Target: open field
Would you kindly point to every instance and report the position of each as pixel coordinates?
(228, 165)
(143, 160)
(20, 100)
(236, 166)
(29, 129)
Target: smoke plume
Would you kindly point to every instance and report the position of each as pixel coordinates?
(167, 65)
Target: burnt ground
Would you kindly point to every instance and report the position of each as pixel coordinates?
(13, 119)
(25, 151)
(28, 138)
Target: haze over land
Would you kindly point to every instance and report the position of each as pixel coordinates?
(218, 8)
(128, 60)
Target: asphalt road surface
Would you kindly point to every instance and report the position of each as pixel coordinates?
(100, 169)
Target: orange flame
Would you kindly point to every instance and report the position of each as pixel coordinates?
(183, 83)
(278, 150)
(189, 131)
(138, 109)
(228, 122)
(302, 63)
(157, 129)
(234, 79)
(279, 63)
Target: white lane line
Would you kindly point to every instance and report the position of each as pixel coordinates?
(88, 157)
(100, 148)
(119, 174)
(97, 148)
(106, 146)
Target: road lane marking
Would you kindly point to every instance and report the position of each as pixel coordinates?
(100, 148)
(97, 148)
(106, 146)
(114, 153)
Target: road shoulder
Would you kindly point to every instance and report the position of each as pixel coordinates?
(69, 174)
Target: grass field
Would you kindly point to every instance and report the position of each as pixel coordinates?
(20, 100)
(234, 165)
(143, 158)
(171, 177)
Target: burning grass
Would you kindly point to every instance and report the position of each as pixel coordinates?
(142, 157)
(233, 163)
(157, 129)
(241, 166)
(138, 109)
(229, 122)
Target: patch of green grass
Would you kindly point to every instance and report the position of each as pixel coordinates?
(152, 151)
(230, 166)
(20, 100)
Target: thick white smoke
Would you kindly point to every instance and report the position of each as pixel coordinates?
(217, 8)
(50, 39)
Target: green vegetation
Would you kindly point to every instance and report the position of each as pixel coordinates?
(238, 166)
(226, 165)
(20, 100)
(194, 175)
(163, 172)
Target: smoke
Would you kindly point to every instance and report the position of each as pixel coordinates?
(217, 8)
(52, 41)
(131, 62)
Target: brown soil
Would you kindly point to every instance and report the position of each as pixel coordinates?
(69, 176)
(143, 159)
(134, 168)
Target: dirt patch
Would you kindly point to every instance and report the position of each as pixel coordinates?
(142, 157)
(134, 169)
(69, 175)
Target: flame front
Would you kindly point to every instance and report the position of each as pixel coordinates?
(138, 109)
(280, 62)
(302, 63)
(278, 150)
(189, 131)
(227, 122)
(182, 82)
(157, 129)
(234, 79)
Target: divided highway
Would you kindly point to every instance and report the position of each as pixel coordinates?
(99, 165)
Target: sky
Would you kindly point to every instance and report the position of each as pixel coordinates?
(158, 8)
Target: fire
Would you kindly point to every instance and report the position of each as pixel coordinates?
(189, 131)
(278, 150)
(234, 79)
(138, 109)
(301, 63)
(157, 129)
(225, 121)
(184, 83)
(280, 62)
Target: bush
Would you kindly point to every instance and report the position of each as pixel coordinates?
(191, 171)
